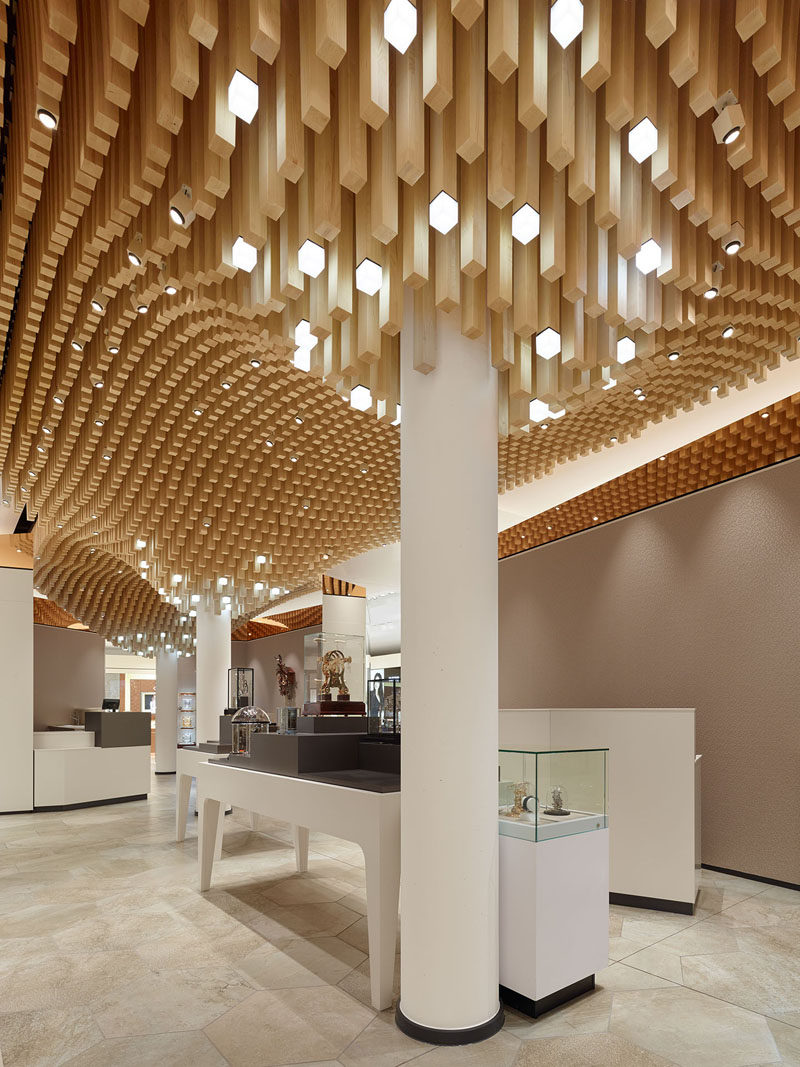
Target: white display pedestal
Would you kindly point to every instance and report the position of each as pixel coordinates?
(553, 918)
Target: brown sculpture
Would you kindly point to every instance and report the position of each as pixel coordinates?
(286, 679)
(332, 666)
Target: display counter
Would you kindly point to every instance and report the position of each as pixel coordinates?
(77, 767)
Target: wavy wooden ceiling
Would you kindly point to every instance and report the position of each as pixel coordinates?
(350, 142)
(757, 441)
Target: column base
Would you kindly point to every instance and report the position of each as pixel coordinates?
(535, 1008)
(431, 1035)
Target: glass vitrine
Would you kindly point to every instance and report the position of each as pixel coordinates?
(545, 795)
(334, 667)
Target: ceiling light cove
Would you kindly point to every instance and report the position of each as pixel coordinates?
(648, 258)
(525, 224)
(443, 212)
(548, 343)
(643, 140)
(369, 277)
(243, 255)
(243, 97)
(566, 21)
(311, 258)
(400, 24)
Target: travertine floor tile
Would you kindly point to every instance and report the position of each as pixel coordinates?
(323, 961)
(602, 1050)
(381, 1044)
(190, 1049)
(283, 1026)
(45, 1038)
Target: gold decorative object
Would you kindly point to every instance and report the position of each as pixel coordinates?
(331, 665)
(521, 790)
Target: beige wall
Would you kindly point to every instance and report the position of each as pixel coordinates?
(695, 603)
(260, 655)
(68, 672)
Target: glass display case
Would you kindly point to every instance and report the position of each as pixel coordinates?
(245, 723)
(383, 704)
(187, 720)
(240, 687)
(334, 666)
(544, 795)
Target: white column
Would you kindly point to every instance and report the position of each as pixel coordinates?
(166, 712)
(16, 678)
(449, 961)
(213, 660)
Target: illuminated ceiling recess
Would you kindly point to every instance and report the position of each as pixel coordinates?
(514, 158)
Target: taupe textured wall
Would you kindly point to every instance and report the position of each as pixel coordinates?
(260, 655)
(695, 603)
(68, 672)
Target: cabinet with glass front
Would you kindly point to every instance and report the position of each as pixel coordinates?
(546, 795)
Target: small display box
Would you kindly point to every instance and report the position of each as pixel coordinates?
(245, 723)
(240, 687)
(553, 827)
(334, 674)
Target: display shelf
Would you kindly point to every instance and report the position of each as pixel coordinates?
(187, 720)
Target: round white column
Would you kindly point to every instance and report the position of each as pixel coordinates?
(449, 960)
(166, 712)
(213, 660)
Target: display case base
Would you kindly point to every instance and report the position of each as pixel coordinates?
(535, 1008)
(331, 724)
(334, 707)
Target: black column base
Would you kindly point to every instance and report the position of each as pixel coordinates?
(431, 1035)
(535, 1008)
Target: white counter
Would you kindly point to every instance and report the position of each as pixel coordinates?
(77, 738)
(65, 775)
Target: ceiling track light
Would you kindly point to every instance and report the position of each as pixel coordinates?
(673, 356)
(97, 306)
(47, 118)
(177, 216)
(727, 332)
(113, 349)
(77, 345)
(170, 290)
(711, 292)
(729, 121)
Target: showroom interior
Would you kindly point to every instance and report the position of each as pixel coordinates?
(399, 533)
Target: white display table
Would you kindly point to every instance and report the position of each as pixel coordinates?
(370, 819)
(186, 763)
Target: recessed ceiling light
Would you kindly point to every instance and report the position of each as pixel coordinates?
(641, 396)
(311, 258)
(643, 140)
(360, 398)
(176, 216)
(594, 518)
(293, 459)
(33, 475)
(206, 524)
(613, 440)
(364, 470)
(525, 224)
(727, 332)
(142, 309)
(255, 363)
(764, 414)
(46, 429)
(40, 448)
(732, 246)
(626, 349)
(369, 277)
(98, 307)
(133, 259)
(443, 212)
(637, 390)
(47, 118)
(140, 543)
(648, 258)
(77, 345)
(269, 444)
(106, 455)
(98, 422)
(299, 420)
(566, 21)
(324, 554)
(98, 384)
(714, 388)
(59, 525)
(548, 343)
(400, 24)
(244, 255)
(661, 459)
(226, 385)
(198, 411)
(243, 96)
(673, 356)
(261, 559)
(22, 489)
(544, 425)
(711, 292)
(170, 290)
(305, 507)
(113, 349)
(57, 400)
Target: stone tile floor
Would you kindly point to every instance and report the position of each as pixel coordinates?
(110, 956)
